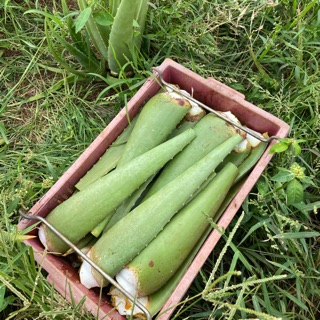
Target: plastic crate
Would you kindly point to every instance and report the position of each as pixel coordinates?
(209, 91)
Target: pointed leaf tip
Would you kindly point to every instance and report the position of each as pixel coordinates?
(82, 19)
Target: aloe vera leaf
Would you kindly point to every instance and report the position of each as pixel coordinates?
(211, 132)
(109, 159)
(251, 160)
(189, 121)
(98, 229)
(157, 300)
(161, 108)
(156, 263)
(94, 31)
(112, 252)
(150, 131)
(127, 205)
(157, 120)
(79, 214)
(82, 243)
(113, 6)
(124, 37)
(140, 17)
(235, 157)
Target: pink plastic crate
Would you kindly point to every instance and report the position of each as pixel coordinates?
(210, 92)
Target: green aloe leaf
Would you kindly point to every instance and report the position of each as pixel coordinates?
(126, 31)
(113, 6)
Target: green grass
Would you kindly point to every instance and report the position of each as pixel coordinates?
(268, 50)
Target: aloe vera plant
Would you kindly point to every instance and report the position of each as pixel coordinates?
(79, 214)
(113, 28)
(112, 252)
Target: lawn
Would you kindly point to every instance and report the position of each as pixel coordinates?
(267, 263)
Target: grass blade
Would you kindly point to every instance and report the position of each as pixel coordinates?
(48, 25)
(297, 235)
